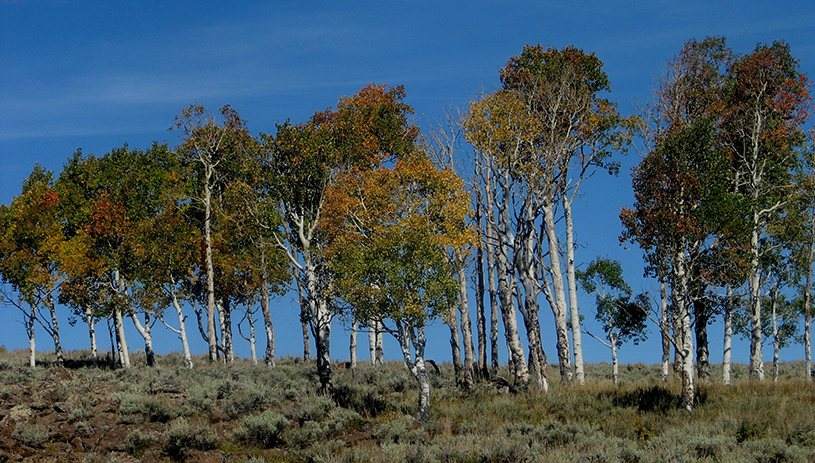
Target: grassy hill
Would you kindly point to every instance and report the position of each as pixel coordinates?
(247, 413)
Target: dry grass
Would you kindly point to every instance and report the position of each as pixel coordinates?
(249, 413)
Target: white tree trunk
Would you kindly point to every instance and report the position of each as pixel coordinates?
(664, 331)
(182, 331)
(506, 286)
(267, 315)
(119, 327)
(144, 331)
(574, 311)
(681, 293)
(728, 336)
(353, 344)
(408, 336)
(209, 268)
(55, 329)
(470, 365)
(92, 334)
(756, 357)
(252, 350)
(559, 306)
(808, 302)
(32, 344)
(615, 366)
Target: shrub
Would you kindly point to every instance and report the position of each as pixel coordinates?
(138, 441)
(180, 437)
(32, 435)
(304, 435)
(312, 409)
(262, 430)
(363, 399)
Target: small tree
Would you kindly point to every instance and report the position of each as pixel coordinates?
(387, 251)
(623, 319)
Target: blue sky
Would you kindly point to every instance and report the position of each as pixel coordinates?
(96, 75)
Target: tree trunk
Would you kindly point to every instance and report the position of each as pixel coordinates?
(490, 257)
(455, 345)
(470, 365)
(756, 357)
(574, 311)
(320, 320)
(353, 344)
(225, 311)
(481, 320)
(702, 350)
(32, 344)
(182, 331)
(252, 350)
(728, 335)
(306, 343)
(209, 268)
(267, 314)
(664, 331)
(121, 341)
(615, 366)
(776, 343)
(527, 271)
(808, 302)
(519, 366)
(559, 306)
(92, 334)
(144, 331)
(55, 330)
(681, 306)
(506, 287)
(409, 335)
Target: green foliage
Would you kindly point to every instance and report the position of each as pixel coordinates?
(623, 319)
(32, 435)
(139, 441)
(180, 437)
(262, 430)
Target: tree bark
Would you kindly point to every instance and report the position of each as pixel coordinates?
(415, 335)
(808, 300)
(700, 328)
(227, 342)
(267, 313)
(353, 344)
(506, 286)
(144, 331)
(776, 343)
(32, 344)
(92, 334)
(728, 335)
(685, 348)
(55, 330)
(527, 272)
(121, 341)
(756, 361)
(470, 365)
(615, 366)
(209, 267)
(455, 345)
(481, 320)
(182, 331)
(665, 331)
(252, 350)
(559, 306)
(574, 311)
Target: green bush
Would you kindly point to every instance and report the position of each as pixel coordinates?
(262, 430)
(138, 441)
(32, 435)
(180, 437)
